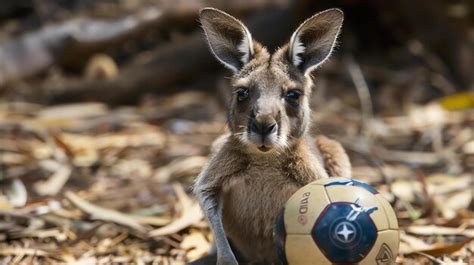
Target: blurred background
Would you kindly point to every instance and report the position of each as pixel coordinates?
(108, 109)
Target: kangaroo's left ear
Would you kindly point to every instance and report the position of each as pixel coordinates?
(312, 43)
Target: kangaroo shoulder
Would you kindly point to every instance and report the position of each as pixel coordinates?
(226, 159)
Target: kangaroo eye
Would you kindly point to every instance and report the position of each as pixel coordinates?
(242, 94)
(293, 95)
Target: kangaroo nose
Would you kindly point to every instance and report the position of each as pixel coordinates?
(263, 128)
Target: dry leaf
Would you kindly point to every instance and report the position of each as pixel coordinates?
(191, 215)
(55, 183)
(413, 244)
(195, 245)
(429, 230)
(104, 214)
(16, 193)
(447, 249)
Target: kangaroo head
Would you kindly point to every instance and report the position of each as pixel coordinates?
(270, 103)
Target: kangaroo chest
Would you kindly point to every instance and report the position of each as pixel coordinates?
(252, 200)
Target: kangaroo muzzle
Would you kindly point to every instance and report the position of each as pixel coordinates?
(263, 131)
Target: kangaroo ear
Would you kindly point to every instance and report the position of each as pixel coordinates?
(312, 43)
(230, 41)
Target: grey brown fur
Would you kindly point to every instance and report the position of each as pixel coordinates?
(268, 154)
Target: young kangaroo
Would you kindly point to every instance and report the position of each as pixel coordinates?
(268, 154)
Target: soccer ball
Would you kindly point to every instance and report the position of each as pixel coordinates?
(337, 220)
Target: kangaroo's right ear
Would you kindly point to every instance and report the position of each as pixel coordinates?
(313, 41)
(230, 41)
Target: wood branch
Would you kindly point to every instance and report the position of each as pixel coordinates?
(77, 39)
(168, 65)
(36, 51)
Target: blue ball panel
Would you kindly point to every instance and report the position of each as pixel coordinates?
(344, 232)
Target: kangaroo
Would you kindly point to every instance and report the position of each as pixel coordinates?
(268, 154)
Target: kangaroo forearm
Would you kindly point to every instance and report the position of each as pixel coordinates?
(211, 206)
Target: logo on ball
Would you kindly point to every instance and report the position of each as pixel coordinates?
(302, 219)
(345, 232)
(385, 255)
